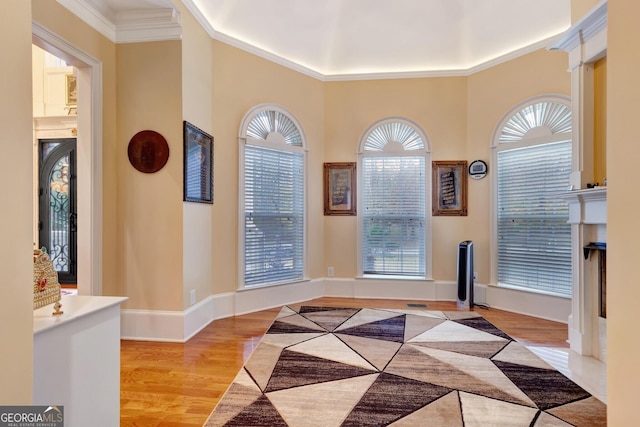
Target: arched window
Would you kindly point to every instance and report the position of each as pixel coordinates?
(532, 146)
(394, 193)
(272, 201)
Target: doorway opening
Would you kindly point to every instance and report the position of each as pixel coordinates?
(82, 121)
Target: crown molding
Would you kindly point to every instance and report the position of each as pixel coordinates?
(128, 26)
(542, 44)
(94, 15)
(465, 72)
(586, 40)
(148, 25)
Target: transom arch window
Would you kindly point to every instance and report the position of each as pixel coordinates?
(532, 148)
(394, 228)
(272, 200)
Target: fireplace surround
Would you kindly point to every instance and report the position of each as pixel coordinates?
(587, 322)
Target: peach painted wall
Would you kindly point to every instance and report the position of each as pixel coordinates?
(623, 205)
(240, 82)
(197, 108)
(150, 217)
(492, 94)
(16, 265)
(580, 7)
(438, 105)
(459, 116)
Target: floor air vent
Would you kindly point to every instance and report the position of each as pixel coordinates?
(417, 305)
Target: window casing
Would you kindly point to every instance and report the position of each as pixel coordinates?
(394, 192)
(272, 202)
(533, 152)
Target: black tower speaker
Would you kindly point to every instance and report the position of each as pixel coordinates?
(465, 274)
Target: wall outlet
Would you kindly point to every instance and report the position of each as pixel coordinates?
(193, 297)
(330, 271)
(475, 275)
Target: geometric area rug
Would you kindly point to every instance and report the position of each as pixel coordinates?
(330, 366)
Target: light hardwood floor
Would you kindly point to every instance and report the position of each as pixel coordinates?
(172, 384)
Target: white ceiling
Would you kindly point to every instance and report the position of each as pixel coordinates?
(340, 38)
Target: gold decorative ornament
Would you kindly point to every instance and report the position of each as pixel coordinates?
(46, 288)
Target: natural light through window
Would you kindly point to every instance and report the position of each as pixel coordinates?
(533, 167)
(394, 225)
(273, 173)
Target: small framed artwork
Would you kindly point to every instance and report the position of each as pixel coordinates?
(449, 188)
(198, 165)
(71, 90)
(340, 188)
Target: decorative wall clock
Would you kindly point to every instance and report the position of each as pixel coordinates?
(478, 169)
(148, 151)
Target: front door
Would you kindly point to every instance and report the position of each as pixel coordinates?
(57, 202)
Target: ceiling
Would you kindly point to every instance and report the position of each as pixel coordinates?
(359, 38)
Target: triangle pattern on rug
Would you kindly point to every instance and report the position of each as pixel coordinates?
(313, 309)
(294, 324)
(458, 315)
(319, 366)
(589, 411)
(376, 352)
(390, 398)
(482, 324)
(480, 411)
(329, 347)
(388, 329)
(365, 316)
(260, 413)
(286, 311)
(416, 325)
(465, 373)
(242, 393)
(451, 331)
(295, 369)
(419, 313)
(261, 367)
(330, 319)
(286, 340)
(331, 401)
(520, 355)
(443, 412)
(485, 349)
(536, 383)
(547, 420)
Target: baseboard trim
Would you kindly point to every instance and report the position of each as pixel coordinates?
(180, 326)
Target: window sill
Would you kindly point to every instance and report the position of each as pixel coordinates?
(270, 285)
(394, 277)
(530, 290)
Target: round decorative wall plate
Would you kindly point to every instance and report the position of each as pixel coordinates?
(148, 151)
(478, 169)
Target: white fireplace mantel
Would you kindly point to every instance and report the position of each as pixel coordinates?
(587, 206)
(588, 219)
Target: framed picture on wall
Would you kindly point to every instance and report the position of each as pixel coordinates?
(198, 165)
(71, 90)
(449, 195)
(340, 188)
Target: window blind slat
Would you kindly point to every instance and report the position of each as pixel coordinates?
(393, 221)
(534, 238)
(274, 215)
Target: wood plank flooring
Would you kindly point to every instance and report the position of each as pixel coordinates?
(174, 384)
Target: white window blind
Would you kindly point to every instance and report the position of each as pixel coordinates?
(534, 238)
(274, 215)
(393, 223)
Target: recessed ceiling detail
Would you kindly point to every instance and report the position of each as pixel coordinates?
(342, 40)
